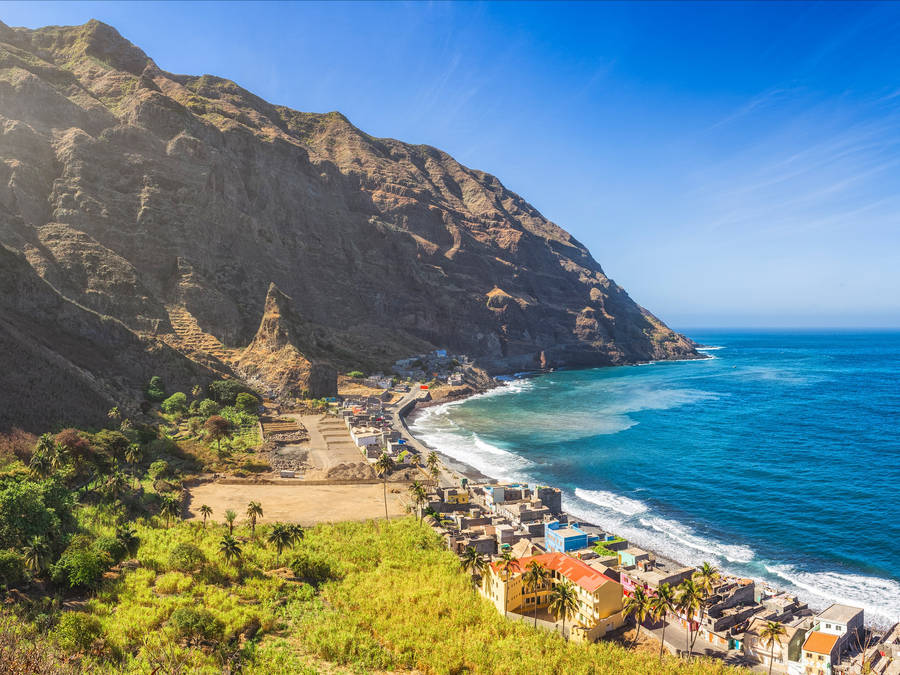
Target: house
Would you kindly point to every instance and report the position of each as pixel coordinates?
(632, 556)
(455, 496)
(599, 598)
(843, 621)
(560, 538)
(786, 654)
(820, 652)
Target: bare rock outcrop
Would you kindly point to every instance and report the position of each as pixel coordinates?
(167, 205)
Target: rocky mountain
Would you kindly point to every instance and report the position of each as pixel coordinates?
(158, 210)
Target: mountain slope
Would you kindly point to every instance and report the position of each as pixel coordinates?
(173, 202)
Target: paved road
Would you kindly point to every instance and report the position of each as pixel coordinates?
(676, 637)
(447, 478)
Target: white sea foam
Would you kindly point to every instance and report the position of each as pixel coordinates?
(879, 597)
(708, 349)
(624, 505)
(688, 537)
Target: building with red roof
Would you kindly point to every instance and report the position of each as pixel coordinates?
(599, 598)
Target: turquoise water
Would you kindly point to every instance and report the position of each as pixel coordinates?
(778, 458)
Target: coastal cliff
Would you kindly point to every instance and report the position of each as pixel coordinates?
(168, 205)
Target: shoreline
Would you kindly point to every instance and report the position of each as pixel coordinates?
(455, 469)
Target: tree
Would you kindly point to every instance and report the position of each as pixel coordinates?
(114, 414)
(417, 492)
(225, 391)
(133, 455)
(127, 537)
(247, 403)
(473, 563)
(663, 603)
(229, 519)
(116, 484)
(196, 390)
(535, 578)
(35, 553)
(706, 578)
(281, 538)
(563, 602)
(383, 467)
(254, 511)
(207, 408)
(771, 633)
(508, 564)
(206, 512)
(170, 508)
(41, 463)
(217, 428)
(690, 599)
(297, 533)
(156, 390)
(176, 403)
(433, 464)
(229, 548)
(638, 604)
(196, 626)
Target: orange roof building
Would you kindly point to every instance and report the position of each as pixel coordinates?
(599, 597)
(820, 652)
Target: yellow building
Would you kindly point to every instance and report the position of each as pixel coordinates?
(599, 608)
(456, 496)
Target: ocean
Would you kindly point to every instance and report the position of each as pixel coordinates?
(778, 458)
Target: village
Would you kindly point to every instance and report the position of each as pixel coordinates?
(521, 547)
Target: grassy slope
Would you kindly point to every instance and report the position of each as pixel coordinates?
(395, 601)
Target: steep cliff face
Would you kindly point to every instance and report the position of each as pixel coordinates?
(172, 202)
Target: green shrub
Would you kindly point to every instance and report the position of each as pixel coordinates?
(186, 558)
(356, 373)
(225, 391)
(12, 568)
(176, 403)
(111, 547)
(247, 403)
(208, 408)
(80, 568)
(32, 509)
(77, 631)
(196, 625)
(156, 390)
(111, 443)
(159, 469)
(312, 569)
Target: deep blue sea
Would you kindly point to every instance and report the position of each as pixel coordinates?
(778, 458)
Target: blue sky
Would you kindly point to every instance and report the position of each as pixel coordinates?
(728, 164)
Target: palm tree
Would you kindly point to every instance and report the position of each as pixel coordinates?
(35, 554)
(534, 578)
(432, 514)
(280, 538)
(116, 484)
(563, 602)
(297, 533)
(706, 578)
(690, 599)
(473, 563)
(230, 548)
(417, 490)
(40, 465)
(433, 464)
(638, 603)
(127, 537)
(206, 512)
(383, 467)
(663, 603)
(134, 455)
(229, 518)
(508, 564)
(217, 428)
(170, 508)
(771, 633)
(254, 511)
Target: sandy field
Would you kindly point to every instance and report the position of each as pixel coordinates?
(304, 504)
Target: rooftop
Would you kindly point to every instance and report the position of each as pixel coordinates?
(820, 643)
(839, 613)
(576, 571)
